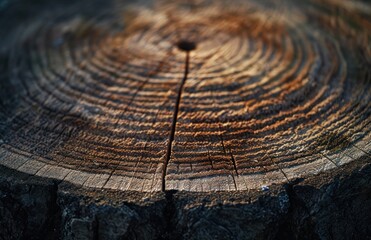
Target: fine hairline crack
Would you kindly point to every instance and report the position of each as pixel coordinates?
(175, 114)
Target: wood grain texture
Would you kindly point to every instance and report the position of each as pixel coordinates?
(108, 96)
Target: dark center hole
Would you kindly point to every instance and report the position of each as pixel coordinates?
(185, 45)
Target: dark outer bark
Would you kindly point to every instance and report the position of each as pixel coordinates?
(32, 208)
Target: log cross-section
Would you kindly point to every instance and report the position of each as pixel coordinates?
(185, 95)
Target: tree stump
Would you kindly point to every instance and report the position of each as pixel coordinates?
(248, 118)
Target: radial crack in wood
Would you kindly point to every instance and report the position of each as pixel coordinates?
(185, 46)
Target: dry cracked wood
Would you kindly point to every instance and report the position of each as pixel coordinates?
(186, 95)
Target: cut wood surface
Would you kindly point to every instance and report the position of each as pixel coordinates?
(184, 95)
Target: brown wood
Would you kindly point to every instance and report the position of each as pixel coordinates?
(195, 96)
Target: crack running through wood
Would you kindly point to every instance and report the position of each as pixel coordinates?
(175, 117)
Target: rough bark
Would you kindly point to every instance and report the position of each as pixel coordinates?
(312, 208)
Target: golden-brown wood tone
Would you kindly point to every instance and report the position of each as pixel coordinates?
(196, 96)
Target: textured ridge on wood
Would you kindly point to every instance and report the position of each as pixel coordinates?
(90, 94)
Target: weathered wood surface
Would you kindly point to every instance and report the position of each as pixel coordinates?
(196, 96)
